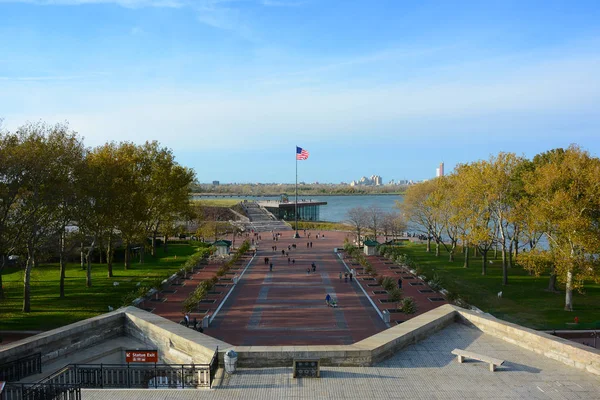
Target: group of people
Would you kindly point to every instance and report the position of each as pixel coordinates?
(195, 325)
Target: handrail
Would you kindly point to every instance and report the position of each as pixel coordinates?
(20, 368)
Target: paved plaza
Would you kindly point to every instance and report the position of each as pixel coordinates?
(287, 306)
(425, 370)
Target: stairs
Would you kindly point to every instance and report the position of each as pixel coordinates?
(261, 220)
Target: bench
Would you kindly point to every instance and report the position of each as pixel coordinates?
(462, 354)
(307, 368)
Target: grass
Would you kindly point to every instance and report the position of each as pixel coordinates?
(524, 300)
(49, 311)
(217, 202)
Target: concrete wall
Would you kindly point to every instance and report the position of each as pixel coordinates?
(364, 353)
(176, 343)
(67, 339)
(573, 354)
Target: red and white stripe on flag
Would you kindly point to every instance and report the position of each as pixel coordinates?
(301, 154)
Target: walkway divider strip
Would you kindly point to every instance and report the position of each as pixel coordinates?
(361, 288)
(234, 285)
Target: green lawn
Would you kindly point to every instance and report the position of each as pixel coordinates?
(524, 300)
(49, 311)
(217, 202)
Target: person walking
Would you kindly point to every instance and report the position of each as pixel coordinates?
(289, 259)
(307, 244)
(350, 276)
(340, 276)
(314, 267)
(399, 283)
(293, 261)
(346, 277)
(271, 267)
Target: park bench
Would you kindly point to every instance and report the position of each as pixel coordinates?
(462, 354)
(307, 368)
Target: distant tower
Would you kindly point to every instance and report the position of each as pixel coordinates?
(440, 170)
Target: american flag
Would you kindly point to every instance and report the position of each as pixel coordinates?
(301, 154)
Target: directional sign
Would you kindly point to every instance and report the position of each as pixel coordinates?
(142, 356)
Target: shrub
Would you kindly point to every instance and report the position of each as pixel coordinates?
(408, 305)
(388, 283)
(395, 295)
(436, 283)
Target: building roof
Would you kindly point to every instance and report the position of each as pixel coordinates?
(222, 242)
(370, 242)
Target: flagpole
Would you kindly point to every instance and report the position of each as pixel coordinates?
(296, 236)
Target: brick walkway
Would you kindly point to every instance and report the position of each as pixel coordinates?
(287, 306)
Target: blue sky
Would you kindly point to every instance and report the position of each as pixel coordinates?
(367, 87)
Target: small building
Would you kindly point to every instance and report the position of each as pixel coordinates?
(222, 247)
(370, 247)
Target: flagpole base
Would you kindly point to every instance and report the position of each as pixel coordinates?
(296, 235)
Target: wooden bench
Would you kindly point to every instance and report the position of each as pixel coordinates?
(307, 368)
(462, 354)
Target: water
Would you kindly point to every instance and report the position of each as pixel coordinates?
(337, 207)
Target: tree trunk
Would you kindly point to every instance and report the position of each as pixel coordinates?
(552, 281)
(62, 265)
(153, 250)
(437, 248)
(27, 282)
(484, 262)
(2, 265)
(495, 252)
(165, 247)
(88, 273)
(142, 253)
(451, 255)
(504, 265)
(109, 256)
(466, 264)
(510, 253)
(428, 244)
(82, 254)
(569, 292)
(126, 266)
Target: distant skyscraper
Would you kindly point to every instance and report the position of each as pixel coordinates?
(440, 170)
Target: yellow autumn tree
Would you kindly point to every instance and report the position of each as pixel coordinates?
(565, 192)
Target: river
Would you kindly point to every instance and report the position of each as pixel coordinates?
(337, 207)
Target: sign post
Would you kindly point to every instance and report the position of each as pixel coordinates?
(141, 356)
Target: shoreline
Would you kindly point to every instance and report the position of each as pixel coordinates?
(299, 194)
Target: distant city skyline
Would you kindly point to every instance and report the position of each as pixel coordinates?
(233, 86)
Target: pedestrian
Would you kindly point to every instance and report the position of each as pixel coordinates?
(350, 276)
(399, 283)
(307, 244)
(293, 261)
(314, 267)
(327, 299)
(289, 247)
(311, 245)
(340, 276)
(187, 320)
(307, 271)
(271, 267)
(266, 261)
(274, 248)
(346, 277)
(289, 259)
(283, 252)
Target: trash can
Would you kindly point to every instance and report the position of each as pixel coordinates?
(386, 316)
(205, 321)
(230, 361)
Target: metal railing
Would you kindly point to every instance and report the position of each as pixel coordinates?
(136, 376)
(18, 369)
(36, 391)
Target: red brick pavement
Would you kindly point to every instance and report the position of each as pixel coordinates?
(287, 306)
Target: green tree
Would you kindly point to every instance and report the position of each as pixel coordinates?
(566, 207)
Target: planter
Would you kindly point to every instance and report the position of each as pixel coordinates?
(168, 291)
(373, 285)
(368, 279)
(416, 284)
(387, 301)
(395, 267)
(215, 293)
(435, 299)
(207, 301)
(426, 291)
(393, 311)
(379, 291)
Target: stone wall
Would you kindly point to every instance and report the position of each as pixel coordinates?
(571, 353)
(67, 339)
(176, 343)
(364, 353)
